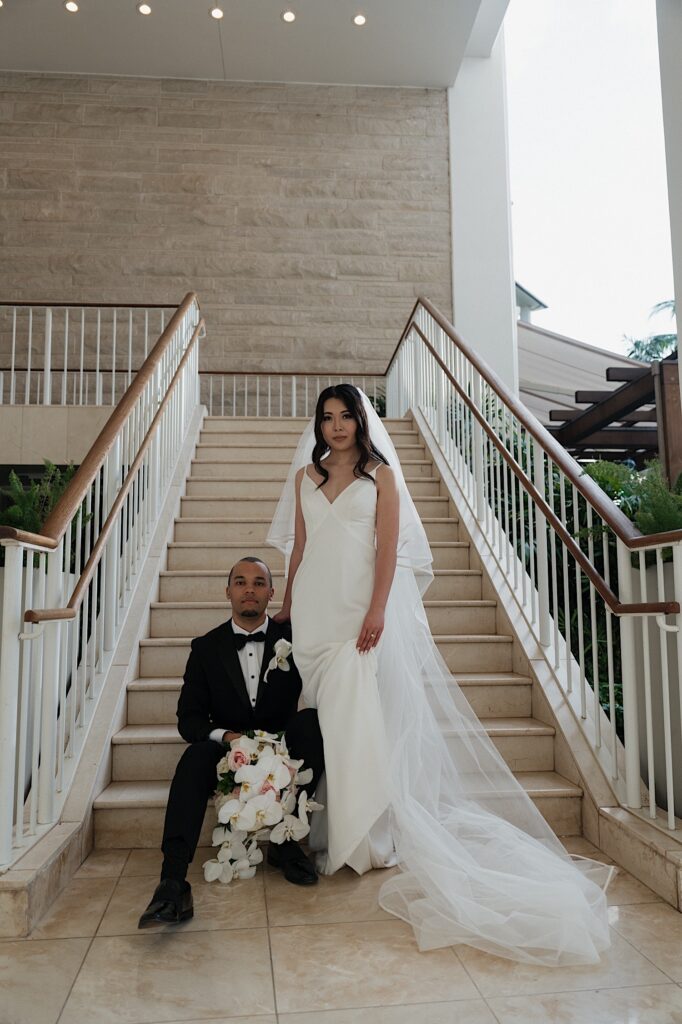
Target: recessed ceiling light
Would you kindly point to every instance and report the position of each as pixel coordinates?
(217, 13)
(144, 8)
(288, 16)
(359, 19)
(71, 6)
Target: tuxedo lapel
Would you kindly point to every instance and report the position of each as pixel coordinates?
(230, 661)
(271, 637)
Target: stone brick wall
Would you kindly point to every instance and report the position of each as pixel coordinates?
(307, 218)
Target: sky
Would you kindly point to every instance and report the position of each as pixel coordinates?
(591, 231)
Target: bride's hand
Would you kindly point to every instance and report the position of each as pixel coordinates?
(282, 616)
(371, 631)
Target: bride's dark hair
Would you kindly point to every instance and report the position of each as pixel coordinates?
(352, 399)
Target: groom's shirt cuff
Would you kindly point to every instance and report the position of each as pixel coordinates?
(217, 735)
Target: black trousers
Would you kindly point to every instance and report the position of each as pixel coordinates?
(195, 781)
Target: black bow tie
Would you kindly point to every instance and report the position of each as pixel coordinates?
(241, 639)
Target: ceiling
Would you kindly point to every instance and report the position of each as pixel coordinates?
(404, 42)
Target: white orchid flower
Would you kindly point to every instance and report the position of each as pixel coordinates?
(216, 871)
(222, 768)
(306, 806)
(260, 811)
(242, 869)
(227, 873)
(255, 856)
(266, 738)
(229, 813)
(278, 775)
(282, 651)
(212, 870)
(288, 800)
(231, 850)
(251, 778)
(290, 827)
(304, 777)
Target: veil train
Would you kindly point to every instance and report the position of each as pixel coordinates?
(479, 864)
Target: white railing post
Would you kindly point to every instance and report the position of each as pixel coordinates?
(47, 359)
(629, 680)
(677, 596)
(479, 455)
(111, 557)
(50, 691)
(544, 626)
(9, 693)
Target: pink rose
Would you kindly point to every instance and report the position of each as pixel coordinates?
(236, 759)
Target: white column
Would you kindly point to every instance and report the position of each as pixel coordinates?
(669, 18)
(482, 275)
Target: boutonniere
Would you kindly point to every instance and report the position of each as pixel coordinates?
(280, 659)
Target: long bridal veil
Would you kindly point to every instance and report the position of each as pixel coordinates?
(479, 864)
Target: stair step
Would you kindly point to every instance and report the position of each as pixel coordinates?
(282, 438)
(198, 555)
(209, 585)
(130, 814)
(245, 496)
(178, 618)
(167, 656)
(274, 424)
(242, 529)
(153, 700)
(151, 752)
(277, 469)
(248, 452)
(232, 484)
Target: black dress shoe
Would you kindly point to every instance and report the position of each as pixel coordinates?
(171, 903)
(293, 863)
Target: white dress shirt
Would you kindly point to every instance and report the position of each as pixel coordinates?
(251, 660)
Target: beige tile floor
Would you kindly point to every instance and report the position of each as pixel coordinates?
(263, 951)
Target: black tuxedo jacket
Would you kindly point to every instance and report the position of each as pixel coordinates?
(214, 694)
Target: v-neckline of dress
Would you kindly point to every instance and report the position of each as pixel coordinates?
(346, 488)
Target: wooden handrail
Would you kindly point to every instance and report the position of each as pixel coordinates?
(617, 521)
(71, 609)
(616, 606)
(57, 522)
(624, 529)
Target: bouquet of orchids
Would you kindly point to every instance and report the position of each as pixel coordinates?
(256, 798)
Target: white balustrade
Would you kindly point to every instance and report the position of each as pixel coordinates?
(279, 394)
(70, 354)
(65, 593)
(601, 600)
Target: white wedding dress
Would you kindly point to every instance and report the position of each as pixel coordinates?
(412, 777)
(331, 594)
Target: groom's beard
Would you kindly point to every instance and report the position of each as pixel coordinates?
(250, 613)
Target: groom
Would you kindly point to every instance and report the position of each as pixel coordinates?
(224, 694)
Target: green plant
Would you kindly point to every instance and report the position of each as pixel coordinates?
(619, 481)
(655, 346)
(379, 404)
(660, 508)
(31, 503)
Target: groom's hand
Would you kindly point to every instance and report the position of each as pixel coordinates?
(229, 736)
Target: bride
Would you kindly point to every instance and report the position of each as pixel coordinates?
(479, 864)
